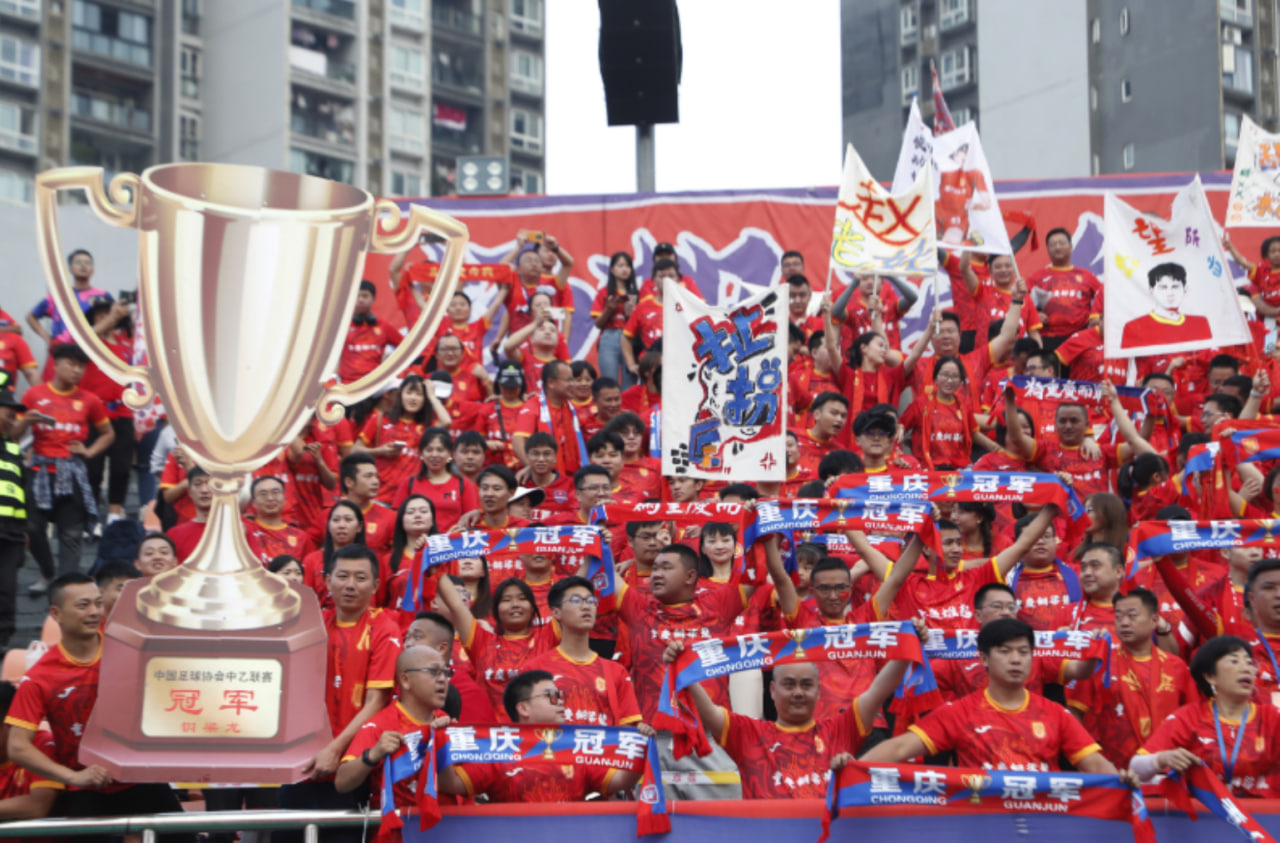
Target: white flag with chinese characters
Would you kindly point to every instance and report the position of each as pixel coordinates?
(881, 232)
(1254, 201)
(1167, 285)
(724, 386)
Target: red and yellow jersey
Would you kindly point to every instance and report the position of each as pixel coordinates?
(945, 601)
(362, 656)
(393, 718)
(790, 762)
(74, 412)
(500, 658)
(985, 734)
(362, 351)
(597, 691)
(379, 431)
(1075, 295)
(269, 542)
(534, 781)
(1192, 728)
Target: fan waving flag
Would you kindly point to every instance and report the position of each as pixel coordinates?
(881, 232)
(1153, 539)
(725, 372)
(954, 486)
(1167, 285)
(1254, 201)
(860, 784)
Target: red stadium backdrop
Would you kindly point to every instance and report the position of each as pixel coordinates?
(731, 241)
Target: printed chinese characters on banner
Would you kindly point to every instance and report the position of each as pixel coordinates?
(1167, 284)
(968, 216)
(882, 233)
(1254, 201)
(725, 375)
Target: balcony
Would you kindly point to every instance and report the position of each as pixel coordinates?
(324, 166)
(322, 65)
(468, 142)
(117, 49)
(1238, 12)
(99, 110)
(1237, 71)
(403, 17)
(18, 128)
(458, 79)
(26, 11)
(456, 20)
(344, 9)
(322, 127)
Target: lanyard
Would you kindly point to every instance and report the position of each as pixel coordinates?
(1275, 669)
(1229, 765)
(655, 433)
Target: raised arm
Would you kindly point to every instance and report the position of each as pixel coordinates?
(830, 334)
(712, 715)
(841, 306)
(897, 577)
(463, 620)
(1125, 424)
(1008, 335)
(917, 350)
(1012, 554)
(879, 564)
(882, 687)
(511, 348)
(907, 291)
(1016, 439)
(397, 264)
(783, 587)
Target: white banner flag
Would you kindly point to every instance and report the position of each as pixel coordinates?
(1166, 283)
(879, 232)
(724, 386)
(968, 216)
(1254, 201)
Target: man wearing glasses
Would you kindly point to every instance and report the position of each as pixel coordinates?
(552, 413)
(532, 697)
(596, 691)
(267, 532)
(422, 678)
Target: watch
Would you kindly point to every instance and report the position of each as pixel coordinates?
(364, 759)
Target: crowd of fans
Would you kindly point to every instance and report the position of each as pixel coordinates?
(535, 438)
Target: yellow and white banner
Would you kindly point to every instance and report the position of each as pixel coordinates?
(879, 232)
(1254, 201)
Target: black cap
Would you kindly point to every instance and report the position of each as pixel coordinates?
(510, 375)
(866, 422)
(369, 287)
(440, 375)
(8, 399)
(664, 246)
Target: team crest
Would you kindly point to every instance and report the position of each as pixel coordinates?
(1250, 444)
(1144, 726)
(601, 685)
(293, 540)
(1037, 729)
(818, 743)
(1259, 743)
(567, 769)
(77, 405)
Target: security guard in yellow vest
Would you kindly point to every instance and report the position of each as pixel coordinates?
(13, 515)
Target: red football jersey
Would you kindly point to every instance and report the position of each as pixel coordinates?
(535, 781)
(15, 354)
(1144, 691)
(945, 601)
(1086, 615)
(958, 678)
(379, 430)
(73, 412)
(530, 421)
(650, 625)
(500, 658)
(645, 322)
(1040, 594)
(393, 718)
(841, 681)
(1089, 477)
(637, 483)
(311, 493)
(618, 320)
(186, 538)
(449, 500)
(362, 657)
(597, 691)
(812, 450)
(470, 334)
(996, 304)
(500, 426)
(269, 542)
(19, 781)
(1192, 728)
(1075, 295)
(172, 475)
(62, 691)
(985, 734)
(785, 762)
(1082, 355)
(950, 427)
(362, 351)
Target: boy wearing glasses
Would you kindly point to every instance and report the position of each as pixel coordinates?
(596, 691)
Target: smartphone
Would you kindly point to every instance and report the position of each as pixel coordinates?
(128, 297)
(534, 236)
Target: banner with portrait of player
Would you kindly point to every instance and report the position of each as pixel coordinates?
(1254, 200)
(724, 378)
(965, 208)
(883, 233)
(1168, 288)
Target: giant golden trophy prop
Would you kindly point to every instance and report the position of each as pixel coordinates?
(215, 671)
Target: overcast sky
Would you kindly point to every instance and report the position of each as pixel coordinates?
(759, 100)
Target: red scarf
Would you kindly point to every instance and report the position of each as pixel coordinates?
(882, 390)
(930, 404)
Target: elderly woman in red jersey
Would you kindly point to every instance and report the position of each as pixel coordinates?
(1236, 739)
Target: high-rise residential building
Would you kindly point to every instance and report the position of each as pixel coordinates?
(383, 94)
(1065, 89)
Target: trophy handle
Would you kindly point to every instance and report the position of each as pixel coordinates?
(124, 190)
(421, 218)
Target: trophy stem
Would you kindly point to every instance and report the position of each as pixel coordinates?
(223, 585)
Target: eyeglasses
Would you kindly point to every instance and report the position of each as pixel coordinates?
(555, 696)
(646, 537)
(1002, 607)
(578, 600)
(596, 490)
(436, 672)
(833, 589)
(875, 434)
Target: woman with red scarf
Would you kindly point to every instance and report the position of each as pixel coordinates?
(943, 429)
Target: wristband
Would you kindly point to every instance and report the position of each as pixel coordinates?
(364, 759)
(1018, 302)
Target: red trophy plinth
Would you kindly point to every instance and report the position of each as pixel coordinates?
(188, 705)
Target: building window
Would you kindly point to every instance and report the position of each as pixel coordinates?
(189, 138)
(910, 82)
(21, 8)
(1095, 31)
(1093, 97)
(191, 73)
(526, 130)
(526, 73)
(324, 166)
(15, 188)
(114, 33)
(19, 61)
(1127, 156)
(1237, 68)
(953, 13)
(910, 23)
(526, 17)
(407, 68)
(191, 17)
(1124, 21)
(1239, 12)
(963, 115)
(525, 181)
(17, 127)
(410, 14)
(955, 68)
(406, 184)
(123, 114)
(406, 130)
(1231, 129)
(1126, 90)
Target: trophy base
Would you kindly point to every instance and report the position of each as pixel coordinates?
(227, 707)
